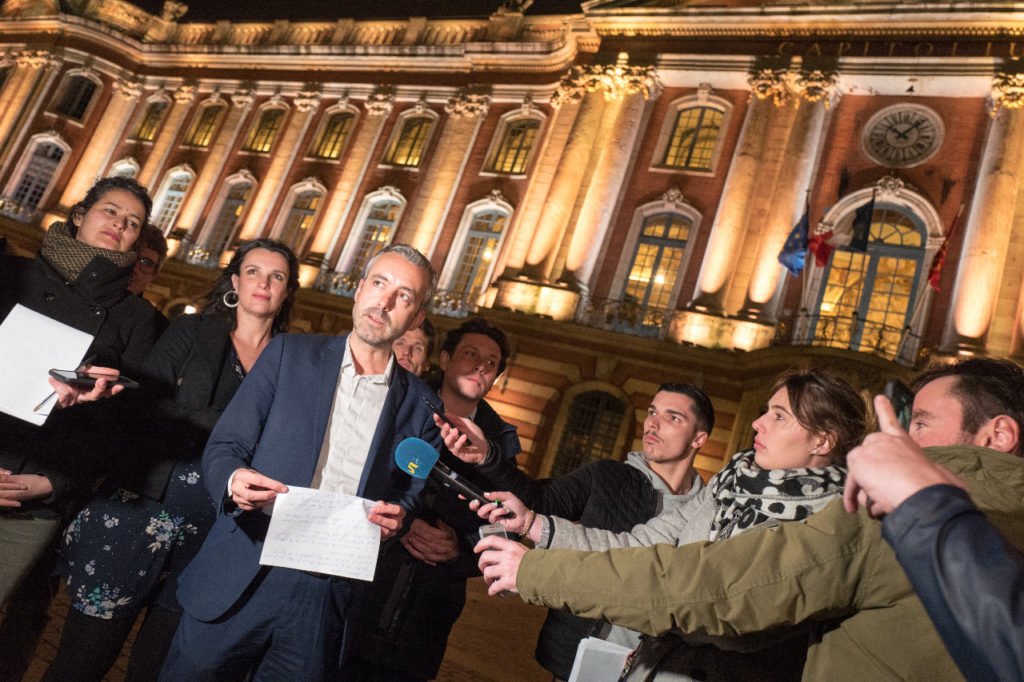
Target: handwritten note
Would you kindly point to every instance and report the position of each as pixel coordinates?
(322, 531)
(31, 344)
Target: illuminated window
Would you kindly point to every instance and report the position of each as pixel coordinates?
(331, 140)
(201, 133)
(261, 137)
(166, 212)
(75, 99)
(380, 226)
(300, 219)
(227, 220)
(38, 175)
(146, 130)
(657, 260)
(127, 168)
(867, 297)
(478, 253)
(693, 140)
(513, 153)
(591, 431)
(407, 147)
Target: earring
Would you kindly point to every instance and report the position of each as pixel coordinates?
(230, 298)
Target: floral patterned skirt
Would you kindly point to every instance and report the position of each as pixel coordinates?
(123, 551)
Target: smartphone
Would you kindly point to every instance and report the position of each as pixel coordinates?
(434, 408)
(492, 529)
(902, 399)
(88, 379)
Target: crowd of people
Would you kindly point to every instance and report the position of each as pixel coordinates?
(822, 552)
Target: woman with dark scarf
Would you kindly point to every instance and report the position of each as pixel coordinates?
(127, 546)
(79, 278)
(796, 467)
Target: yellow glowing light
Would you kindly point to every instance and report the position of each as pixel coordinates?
(488, 255)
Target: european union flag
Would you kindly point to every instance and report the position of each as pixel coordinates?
(862, 226)
(795, 249)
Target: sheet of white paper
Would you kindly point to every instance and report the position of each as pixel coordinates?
(322, 531)
(598, 660)
(31, 345)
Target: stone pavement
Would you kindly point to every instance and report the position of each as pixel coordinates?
(492, 641)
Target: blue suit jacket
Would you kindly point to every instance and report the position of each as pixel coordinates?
(275, 424)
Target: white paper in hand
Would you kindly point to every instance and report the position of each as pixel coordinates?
(322, 531)
(598, 660)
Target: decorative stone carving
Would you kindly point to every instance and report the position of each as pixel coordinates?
(468, 105)
(528, 108)
(242, 98)
(889, 188)
(381, 102)
(307, 100)
(615, 81)
(674, 195)
(767, 83)
(127, 88)
(1007, 92)
(172, 11)
(496, 196)
(817, 85)
(421, 106)
(704, 91)
(184, 94)
(35, 59)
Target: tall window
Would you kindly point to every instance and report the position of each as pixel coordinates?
(227, 220)
(167, 212)
(380, 226)
(657, 259)
(5, 71)
(517, 140)
(331, 140)
(591, 431)
(38, 174)
(478, 252)
(692, 144)
(300, 219)
(76, 97)
(261, 137)
(201, 133)
(146, 130)
(126, 168)
(867, 297)
(408, 145)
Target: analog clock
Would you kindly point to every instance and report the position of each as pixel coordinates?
(903, 135)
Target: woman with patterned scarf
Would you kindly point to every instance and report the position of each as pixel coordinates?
(79, 278)
(795, 468)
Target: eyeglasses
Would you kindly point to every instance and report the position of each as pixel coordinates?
(146, 265)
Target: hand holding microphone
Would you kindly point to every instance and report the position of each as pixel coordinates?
(419, 459)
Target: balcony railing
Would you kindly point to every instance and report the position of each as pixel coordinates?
(16, 210)
(894, 343)
(627, 317)
(445, 302)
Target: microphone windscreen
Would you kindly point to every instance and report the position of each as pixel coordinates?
(416, 457)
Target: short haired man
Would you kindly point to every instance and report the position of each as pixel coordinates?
(318, 411)
(151, 247)
(616, 496)
(414, 348)
(400, 630)
(834, 569)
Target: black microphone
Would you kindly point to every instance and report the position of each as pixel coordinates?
(419, 459)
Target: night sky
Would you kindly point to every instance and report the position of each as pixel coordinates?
(328, 10)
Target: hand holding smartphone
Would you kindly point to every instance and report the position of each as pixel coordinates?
(440, 415)
(83, 379)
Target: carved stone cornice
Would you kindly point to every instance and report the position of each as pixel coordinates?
(468, 105)
(36, 59)
(1007, 92)
(307, 101)
(380, 102)
(128, 89)
(242, 98)
(185, 94)
(616, 81)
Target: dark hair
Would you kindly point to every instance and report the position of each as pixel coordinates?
(105, 185)
(822, 402)
(985, 387)
(416, 258)
(477, 325)
(703, 411)
(214, 302)
(427, 327)
(151, 237)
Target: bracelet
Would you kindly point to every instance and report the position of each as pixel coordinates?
(533, 517)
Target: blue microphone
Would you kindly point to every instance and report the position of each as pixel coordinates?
(419, 459)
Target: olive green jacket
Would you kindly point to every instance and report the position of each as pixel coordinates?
(833, 568)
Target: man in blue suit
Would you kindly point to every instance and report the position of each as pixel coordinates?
(317, 411)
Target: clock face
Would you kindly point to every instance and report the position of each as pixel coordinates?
(903, 135)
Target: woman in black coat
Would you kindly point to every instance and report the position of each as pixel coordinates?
(126, 548)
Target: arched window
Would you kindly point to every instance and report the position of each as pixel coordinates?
(378, 231)
(657, 260)
(408, 145)
(37, 175)
(261, 137)
(300, 218)
(478, 252)
(227, 220)
(331, 139)
(75, 98)
(169, 199)
(691, 133)
(591, 431)
(201, 133)
(125, 168)
(513, 152)
(150, 121)
(866, 299)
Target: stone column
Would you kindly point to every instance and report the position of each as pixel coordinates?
(989, 222)
(217, 155)
(768, 90)
(20, 97)
(357, 158)
(153, 168)
(429, 209)
(285, 150)
(104, 138)
(814, 93)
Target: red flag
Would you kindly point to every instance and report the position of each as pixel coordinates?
(819, 246)
(935, 271)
